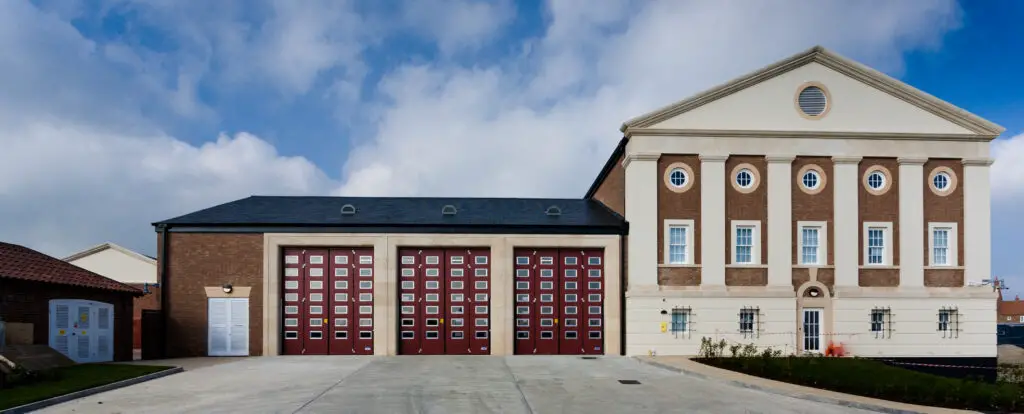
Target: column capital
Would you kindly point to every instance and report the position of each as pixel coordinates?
(846, 160)
(780, 159)
(977, 162)
(911, 160)
(713, 157)
(639, 156)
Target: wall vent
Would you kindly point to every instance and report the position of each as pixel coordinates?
(348, 210)
(449, 210)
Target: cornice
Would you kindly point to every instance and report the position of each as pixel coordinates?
(639, 156)
(713, 158)
(737, 133)
(846, 159)
(977, 162)
(911, 161)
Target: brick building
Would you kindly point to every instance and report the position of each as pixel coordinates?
(812, 201)
(44, 300)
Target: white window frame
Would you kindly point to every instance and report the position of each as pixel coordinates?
(886, 238)
(951, 243)
(688, 225)
(755, 248)
(822, 227)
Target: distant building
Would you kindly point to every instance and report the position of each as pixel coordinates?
(128, 267)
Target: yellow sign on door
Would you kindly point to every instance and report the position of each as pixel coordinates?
(60, 332)
(664, 326)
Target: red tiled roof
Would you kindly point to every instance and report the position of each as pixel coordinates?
(19, 262)
(1011, 307)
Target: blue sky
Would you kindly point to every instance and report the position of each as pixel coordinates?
(117, 113)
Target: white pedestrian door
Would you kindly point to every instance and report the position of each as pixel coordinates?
(812, 330)
(228, 327)
(83, 330)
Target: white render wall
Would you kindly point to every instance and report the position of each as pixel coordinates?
(714, 317)
(119, 266)
(914, 331)
(914, 328)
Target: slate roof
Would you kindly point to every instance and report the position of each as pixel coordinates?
(20, 262)
(500, 213)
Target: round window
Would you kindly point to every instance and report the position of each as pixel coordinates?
(941, 181)
(745, 178)
(811, 180)
(876, 180)
(678, 178)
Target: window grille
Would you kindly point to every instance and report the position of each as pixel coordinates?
(750, 322)
(881, 322)
(949, 322)
(682, 321)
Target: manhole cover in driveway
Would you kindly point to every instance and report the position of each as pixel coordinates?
(629, 382)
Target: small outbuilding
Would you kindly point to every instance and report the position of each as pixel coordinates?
(81, 314)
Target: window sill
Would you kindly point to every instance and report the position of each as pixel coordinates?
(678, 265)
(879, 267)
(807, 266)
(746, 266)
(943, 268)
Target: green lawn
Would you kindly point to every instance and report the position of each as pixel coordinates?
(70, 379)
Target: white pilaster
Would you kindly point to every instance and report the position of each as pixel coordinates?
(846, 219)
(642, 215)
(977, 219)
(911, 183)
(712, 220)
(780, 220)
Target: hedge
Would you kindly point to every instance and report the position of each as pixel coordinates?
(877, 380)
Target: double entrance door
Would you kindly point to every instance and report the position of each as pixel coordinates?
(444, 301)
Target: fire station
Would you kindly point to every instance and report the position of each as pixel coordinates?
(810, 204)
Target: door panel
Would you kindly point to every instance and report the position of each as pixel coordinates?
(592, 272)
(293, 290)
(432, 312)
(570, 340)
(410, 310)
(315, 306)
(479, 324)
(523, 299)
(362, 295)
(457, 315)
(546, 303)
(342, 328)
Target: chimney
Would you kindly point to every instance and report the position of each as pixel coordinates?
(1017, 298)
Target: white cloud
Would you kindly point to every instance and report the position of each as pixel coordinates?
(1008, 170)
(542, 123)
(457, 25)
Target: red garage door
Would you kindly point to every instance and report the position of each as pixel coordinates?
(444, 305)
(559, 301)
(328, 301)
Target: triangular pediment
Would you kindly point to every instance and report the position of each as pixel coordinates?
(861, 100)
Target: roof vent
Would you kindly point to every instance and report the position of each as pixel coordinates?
(449, 210)
(553, 211)
(348, 210)
(812, 101)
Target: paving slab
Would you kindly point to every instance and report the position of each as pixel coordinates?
(439, 384)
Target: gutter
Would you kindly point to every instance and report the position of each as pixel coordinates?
(163, 229)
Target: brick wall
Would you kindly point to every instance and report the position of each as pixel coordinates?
(819, 206)
(746, 206)
(612, 191)
(683, 206)
(948, 208)
(29, 302)
(883, 208)
(198, 260)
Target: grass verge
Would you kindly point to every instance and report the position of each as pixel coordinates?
(877, 380)
(69, 379)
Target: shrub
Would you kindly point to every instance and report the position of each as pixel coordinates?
(875, 379)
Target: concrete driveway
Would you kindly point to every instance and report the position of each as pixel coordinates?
(438, 384)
